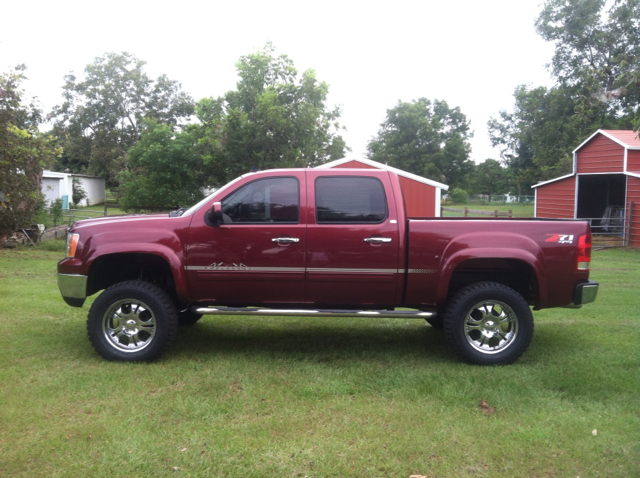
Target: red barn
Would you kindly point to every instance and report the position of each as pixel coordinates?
(421, 195)
(605, 184)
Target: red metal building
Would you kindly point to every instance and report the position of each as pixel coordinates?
(421, 195)
(605, 181)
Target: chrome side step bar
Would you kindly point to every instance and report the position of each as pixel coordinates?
(386, 314)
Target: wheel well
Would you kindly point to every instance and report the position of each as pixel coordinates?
(513, 273)
(111, 269)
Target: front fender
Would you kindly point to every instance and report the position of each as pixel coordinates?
(158, 242)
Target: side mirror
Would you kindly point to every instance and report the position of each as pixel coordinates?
(215, 215)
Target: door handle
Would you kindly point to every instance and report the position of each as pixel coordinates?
(285, 240)
(378, 240)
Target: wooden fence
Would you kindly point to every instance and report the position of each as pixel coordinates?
(466, 211)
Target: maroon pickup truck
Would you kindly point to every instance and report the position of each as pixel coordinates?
(322, 242)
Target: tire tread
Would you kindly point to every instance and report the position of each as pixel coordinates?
(458, 302)
(157, 294)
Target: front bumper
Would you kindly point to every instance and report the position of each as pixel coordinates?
(73, 288)
(585, 293)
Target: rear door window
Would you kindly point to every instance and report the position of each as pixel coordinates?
(346, 199)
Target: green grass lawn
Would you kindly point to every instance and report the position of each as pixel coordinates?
(303, 397)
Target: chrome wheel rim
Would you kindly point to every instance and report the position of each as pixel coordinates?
(491, 326)
(129, 325)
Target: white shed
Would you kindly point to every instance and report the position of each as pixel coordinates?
(60, 185)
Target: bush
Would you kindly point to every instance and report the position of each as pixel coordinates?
(78, 192)
(459, 196)
(56, 211)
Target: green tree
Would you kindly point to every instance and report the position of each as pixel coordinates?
(425, 138)
(536, 139)
(23, 151)
(275, 118)
(101, 116)
(164, 172)
(489, 177)
(596, 65)
(597, 53)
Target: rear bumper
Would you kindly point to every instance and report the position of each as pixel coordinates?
(73, 288)
(585, 293)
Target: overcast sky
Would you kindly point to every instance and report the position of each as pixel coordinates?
(372, 54)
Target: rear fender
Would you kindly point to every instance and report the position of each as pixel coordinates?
(491, 246)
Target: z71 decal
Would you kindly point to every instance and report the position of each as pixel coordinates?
(560, 238)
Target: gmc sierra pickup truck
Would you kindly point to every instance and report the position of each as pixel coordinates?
(322, 242)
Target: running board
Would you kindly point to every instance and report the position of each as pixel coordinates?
(386, 314)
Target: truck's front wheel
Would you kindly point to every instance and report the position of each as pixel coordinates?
(488, 323)
(186, 317)
(132, 321)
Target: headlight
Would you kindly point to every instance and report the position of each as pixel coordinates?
(72, 244)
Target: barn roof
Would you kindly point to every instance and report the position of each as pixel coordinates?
(626, 138)
(378, 165)
(552, 180)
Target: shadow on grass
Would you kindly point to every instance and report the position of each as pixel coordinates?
(322, 340)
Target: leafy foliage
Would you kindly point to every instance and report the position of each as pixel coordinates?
(164, 171)
(537, 138)
(489, 177)
(425, 138)
(597, 68)
(597, 52)
(275, 118)
(459, 196)
(101, 117)
(77, 191)
(23, 151)
(56, 211)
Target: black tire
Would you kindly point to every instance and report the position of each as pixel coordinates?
(437, 322)
(132, 321)
(186, 317)
(488, 323)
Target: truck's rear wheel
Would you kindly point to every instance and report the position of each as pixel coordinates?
(132, 321)
(488, 323)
